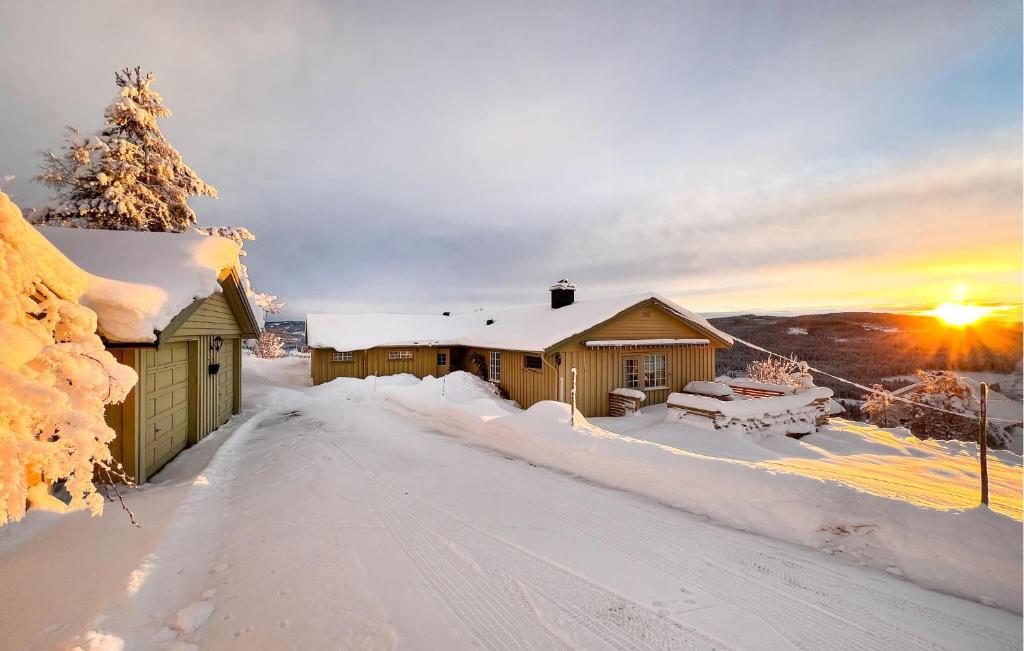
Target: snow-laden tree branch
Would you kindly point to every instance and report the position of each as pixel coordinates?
(55, 378)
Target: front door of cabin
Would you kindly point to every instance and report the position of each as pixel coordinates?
(443, 362)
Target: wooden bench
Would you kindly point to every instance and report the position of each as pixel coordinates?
(620, 405)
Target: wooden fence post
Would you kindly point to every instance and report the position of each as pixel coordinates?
(983, 443)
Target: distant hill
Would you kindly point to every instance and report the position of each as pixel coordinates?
(866, 347)
(292, 333)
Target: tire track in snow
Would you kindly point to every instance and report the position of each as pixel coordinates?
(426, 533)
(803, 624)
(829, 590)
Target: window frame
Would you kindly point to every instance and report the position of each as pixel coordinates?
(342, 357)
(626, 381)
(399, 355)
(538, 367)
(654, 371)
(494, 366)
(442, 356)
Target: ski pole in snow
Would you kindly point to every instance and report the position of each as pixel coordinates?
(983, 443)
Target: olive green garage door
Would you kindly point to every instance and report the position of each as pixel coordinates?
(226, 382)
(166, 414)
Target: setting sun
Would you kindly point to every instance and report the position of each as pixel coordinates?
(960, 314)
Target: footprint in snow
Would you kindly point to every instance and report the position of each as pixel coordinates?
(220, 567)
(192, 616)
(207, 595)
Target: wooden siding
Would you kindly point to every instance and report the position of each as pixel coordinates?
(601, 370)
(645, 322)
(373, 362)
(524, 385)
(211, 316)
(211, 398)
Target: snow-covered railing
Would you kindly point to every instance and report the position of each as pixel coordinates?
(796, 414)
(640, 343)
(759, 389)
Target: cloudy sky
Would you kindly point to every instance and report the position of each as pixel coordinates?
(433, 155)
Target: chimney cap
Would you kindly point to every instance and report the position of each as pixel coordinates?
(563, 284)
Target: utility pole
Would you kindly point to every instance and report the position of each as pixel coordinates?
(983, 443)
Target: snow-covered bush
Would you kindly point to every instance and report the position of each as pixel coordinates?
(935, 391)
(269, 345)
(774, 370)
(55, 377)
(125, 176)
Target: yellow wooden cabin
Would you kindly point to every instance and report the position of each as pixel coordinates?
(172, 307)
(642, 342)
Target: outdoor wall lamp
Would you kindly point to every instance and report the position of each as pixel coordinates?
(558, 359)
(215, 346)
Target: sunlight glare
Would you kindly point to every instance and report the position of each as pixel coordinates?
(960, 314)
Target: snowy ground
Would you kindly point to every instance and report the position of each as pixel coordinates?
(361, 515)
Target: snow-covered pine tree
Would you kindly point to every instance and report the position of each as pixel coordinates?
(269, 345)
(126, 176)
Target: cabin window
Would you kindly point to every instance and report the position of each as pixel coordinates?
(342, 357)
(631, 373)
(442, 359)
(654, 372)
(399, 354)
(495, 366)
(533, 361)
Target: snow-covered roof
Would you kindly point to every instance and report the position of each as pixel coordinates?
(139, 281)
(532, 328)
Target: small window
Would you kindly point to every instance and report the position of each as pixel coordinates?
(442, 359)
(342, 357)
(631, 373)
(399, 354)
(654, 372)
(495, 366)
(533, 361)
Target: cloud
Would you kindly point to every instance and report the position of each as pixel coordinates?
(410, 156)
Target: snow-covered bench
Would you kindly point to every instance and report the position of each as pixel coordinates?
(717, 390)
(625, 402)
(796, 414)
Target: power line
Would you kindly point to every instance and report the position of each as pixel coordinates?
(883, 392)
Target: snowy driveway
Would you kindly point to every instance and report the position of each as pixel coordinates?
(326, 524)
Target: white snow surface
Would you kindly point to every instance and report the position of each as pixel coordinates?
(530, 328)
(141, 280)
(393, 512)
(630, 393)
(719, 389)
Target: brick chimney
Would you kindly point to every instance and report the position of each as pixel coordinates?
(562, 293)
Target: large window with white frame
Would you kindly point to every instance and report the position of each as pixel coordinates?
(342, 357)
(654, 372)
(495, 370)
(631, 372)
(395, 355)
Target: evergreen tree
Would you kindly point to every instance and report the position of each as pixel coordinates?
(126, 176)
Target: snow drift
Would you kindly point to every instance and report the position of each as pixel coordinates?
(974, 553)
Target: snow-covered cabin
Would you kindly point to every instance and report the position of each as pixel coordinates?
(173, 307)
(641, 341)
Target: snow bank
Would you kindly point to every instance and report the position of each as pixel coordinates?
(973, 553)
(139, 281)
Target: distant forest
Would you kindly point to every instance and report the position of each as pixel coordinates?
(866, 347)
